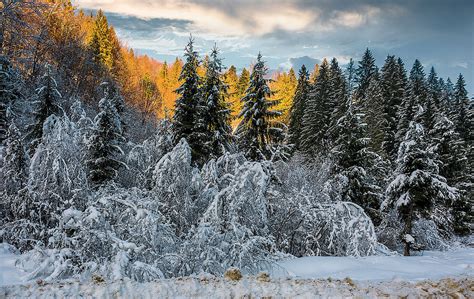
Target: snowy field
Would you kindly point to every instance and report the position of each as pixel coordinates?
(448, 273)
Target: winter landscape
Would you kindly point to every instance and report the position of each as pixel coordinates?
(144, 153)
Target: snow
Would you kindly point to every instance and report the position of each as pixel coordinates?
(9, 273)
(314, 277)
(430, 265)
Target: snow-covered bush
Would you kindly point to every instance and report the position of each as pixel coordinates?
(178, 188)
(143, 157)
(234, 229)
(118, 235)
(57, 177)
(426, 233)
(344, 230)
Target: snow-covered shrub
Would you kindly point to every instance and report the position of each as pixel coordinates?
(118, 235)
(390, 230)
(143, 157)
(178, 188)
(344, 230)
(233, 232)
(57, 177)
(426, 233)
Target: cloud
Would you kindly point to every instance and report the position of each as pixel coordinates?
(309, 62)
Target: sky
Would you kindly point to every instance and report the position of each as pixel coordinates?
(290, 33)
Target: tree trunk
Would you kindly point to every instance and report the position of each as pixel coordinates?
(407, 230)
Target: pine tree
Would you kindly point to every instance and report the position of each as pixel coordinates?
(47, 103)
(9, 95)
(216, 113)
(104, 149)
(417, 184)
(364, 73)
(416, 95)
(316, 118)
(298, 108)
(258, 128)
(185, 106)
(393, 79)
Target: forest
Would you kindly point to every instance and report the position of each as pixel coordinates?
(116, 165)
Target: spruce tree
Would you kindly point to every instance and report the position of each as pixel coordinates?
(364, 73)
(373, 110)
(354, 160)
(258, 128)
(104, 144)
(350, 76)
(393, 85)
(417, 184)
(316, 118)
(462, 110)
(15, 164)
(298, 108)
(215, 113)
(416, 96)
(46, 104)
(9, 95)
(188, 95)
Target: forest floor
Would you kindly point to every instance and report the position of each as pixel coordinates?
(434, 274)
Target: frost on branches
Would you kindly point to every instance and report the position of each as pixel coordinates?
(417, 186)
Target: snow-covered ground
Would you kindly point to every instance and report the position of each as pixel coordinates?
(431, 265)
(434, 273)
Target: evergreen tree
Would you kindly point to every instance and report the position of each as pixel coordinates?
(15, 165)
(47, 103)
(316, 118)
(8, 96)
(258, 128)
(351, 76)
(462, 112)
(417, 184)
(298, 108)
(185, 106)
(452, 154)
(393, 84)
(355, 164)
(448, 96)
(432, 109)
(374, 113)
(215, 111)
(364, 73)
(104, 149)
(416, 96)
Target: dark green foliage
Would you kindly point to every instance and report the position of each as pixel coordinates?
(104, 149)
(393, 81)
(9, 94)
(355, 162)
(415, 97)
(46, 104)
(364, 73)
(317, 116)
(417, 186)
(298, 108)
(213, 115)
(258, 128)
(185, 106)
